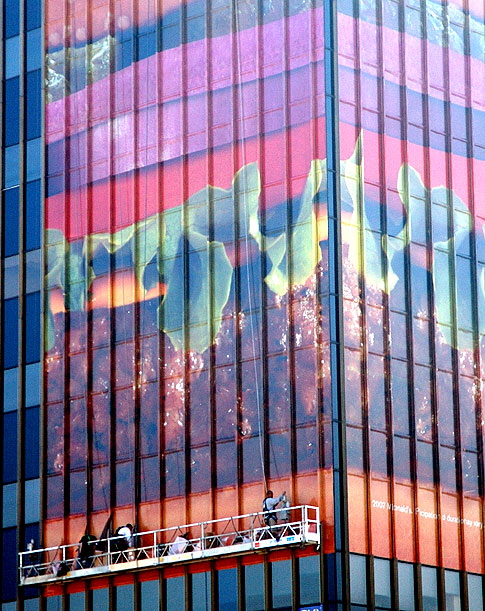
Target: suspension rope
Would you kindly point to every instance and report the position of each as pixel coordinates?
(250, 274)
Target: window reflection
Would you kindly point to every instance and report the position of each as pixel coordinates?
(429, 588)
(281, 584)
(254, 594)
(175, 593)
(227, 588)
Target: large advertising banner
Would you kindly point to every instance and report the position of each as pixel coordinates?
(412, 147)
(186, 358)
(187, 325)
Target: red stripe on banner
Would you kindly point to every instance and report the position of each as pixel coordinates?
(164, 186)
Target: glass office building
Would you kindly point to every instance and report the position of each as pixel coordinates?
(243, 246)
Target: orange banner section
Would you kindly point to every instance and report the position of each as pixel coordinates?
(415, 524)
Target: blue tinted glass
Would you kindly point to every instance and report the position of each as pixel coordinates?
(281, 584)
(124, 598)
(150, 597)
(34, 159)
(12, 111)
(11, 277)
(10, 389)
(33, 109)
(358, 579)
(254, 587)
(11, 222)
(33, 215)
(227, 589)
(10, 338)
(32, 501)
(309, 580)
(11, 16)
(9, 563)
(31, 445)
(77, 601)
(33, 271)
(11, 169)
(33, 14)
(12, 57)
(32, 384)
(32, 338)
(54, 603)
(101, 599)
(9, 447)
(201, 592)
(9, 517)
(146, 45)
(34, 50)
(175, 594)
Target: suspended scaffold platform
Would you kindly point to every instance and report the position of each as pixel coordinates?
(237, 535)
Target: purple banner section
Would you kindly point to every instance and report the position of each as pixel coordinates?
(192, 69)
(159, 108)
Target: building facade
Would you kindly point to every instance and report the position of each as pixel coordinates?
(243, 248)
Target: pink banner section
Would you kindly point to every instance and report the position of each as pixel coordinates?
(161, 187)
(412, 62)
(192, 70)
(219, 63)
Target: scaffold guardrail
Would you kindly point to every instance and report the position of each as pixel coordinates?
(213, 538)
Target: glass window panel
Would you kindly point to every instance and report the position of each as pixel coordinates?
(175, 594)
(452, 591)
(475, 593)
(12, 112)
(399, 394)
(34, 49)
(358, 579)
(11, 222)
(9, 517)
(33, 115)
(227, 589)
(32, 604)
(11, 17)
(9, 563)
(33, 209)
(309, 567)
(11, 277)
(10, 328)
(32, 444)
(382, 583)
(32, 339)
(34, 159)
(10, 389)
(32, 384)
(254, 587)
(150, 595)
(33, 14)
(9, 447)
(33, 271)
(77, 601)
(201, 592)
(32, 501)
(12, 57)
(9, 606)
(281, 584)
(429, 587)
(11, 169)
(124, 598)
(100, 600)
(405, 574)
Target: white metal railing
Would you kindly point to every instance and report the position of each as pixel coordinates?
(222, 537)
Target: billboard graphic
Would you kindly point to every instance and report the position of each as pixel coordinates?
(187, 326)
